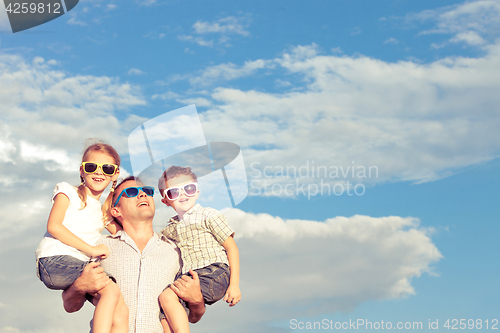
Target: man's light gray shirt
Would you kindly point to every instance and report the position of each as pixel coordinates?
(141, 276)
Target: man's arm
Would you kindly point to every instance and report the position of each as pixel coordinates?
(90, 281)
(189, 290)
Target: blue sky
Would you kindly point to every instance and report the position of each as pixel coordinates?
(406, 87)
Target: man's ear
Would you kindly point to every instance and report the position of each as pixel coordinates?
(115, 212)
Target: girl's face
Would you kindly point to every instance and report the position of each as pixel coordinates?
(98, 181)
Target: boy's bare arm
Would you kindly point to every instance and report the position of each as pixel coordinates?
(189, 290)
(233, 294)
(90, 281)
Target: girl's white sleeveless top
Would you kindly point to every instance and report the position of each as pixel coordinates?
(85, 223)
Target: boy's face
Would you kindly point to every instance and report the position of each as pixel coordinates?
(183, 203)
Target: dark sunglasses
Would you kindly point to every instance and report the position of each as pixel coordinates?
(132, 192)
(107, 169)
(173, 193)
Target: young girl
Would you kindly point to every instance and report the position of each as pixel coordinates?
(74, 226)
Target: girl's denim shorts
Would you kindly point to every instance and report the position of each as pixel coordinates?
(59, 272)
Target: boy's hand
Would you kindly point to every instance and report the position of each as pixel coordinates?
(99, 251)
(233, 295)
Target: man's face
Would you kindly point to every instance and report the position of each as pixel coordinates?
(135, 209)
(184, 202)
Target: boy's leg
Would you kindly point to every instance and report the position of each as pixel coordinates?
(120, 319)
(177, 319)
(105, 309)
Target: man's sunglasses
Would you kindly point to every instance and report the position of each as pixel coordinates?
(132, 192)
(107, 169)
(173, 193)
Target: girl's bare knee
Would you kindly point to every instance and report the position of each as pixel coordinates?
(111, 290)
(168, 296)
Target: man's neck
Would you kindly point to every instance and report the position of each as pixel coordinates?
(140, 233)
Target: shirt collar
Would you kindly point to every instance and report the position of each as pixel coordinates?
(119, 234)
(175, 218)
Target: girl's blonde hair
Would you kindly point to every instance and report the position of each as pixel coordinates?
(98, 146)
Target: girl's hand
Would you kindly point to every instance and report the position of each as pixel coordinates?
(233, 295)
(99, 251)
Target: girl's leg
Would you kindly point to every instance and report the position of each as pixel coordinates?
(105, 309)
(120, 319)
(166, 326)
(174, 311)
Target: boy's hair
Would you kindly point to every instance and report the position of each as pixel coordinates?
(94, 145)
(172, 172)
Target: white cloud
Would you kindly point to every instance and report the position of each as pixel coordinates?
(469, 37)
(470, 22)
(34, 153)
(75, 21)
(147, 2)
(198, 40)
(199, 102)
(6, 146)
(413, 122)
(165, 96)
(224, 27)
(46, 115)
(332, 265)
(227, 25)
(391, 41)
(4, 19)
(229, 71)
(355, 31)
(135, 71)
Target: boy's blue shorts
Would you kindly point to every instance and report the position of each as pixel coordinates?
(214, 281)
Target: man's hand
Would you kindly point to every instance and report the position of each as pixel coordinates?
(90, 281)
(188, 288)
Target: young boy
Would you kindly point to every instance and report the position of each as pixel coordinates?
(206, 243)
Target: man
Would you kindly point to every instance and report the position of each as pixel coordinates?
(142, 262)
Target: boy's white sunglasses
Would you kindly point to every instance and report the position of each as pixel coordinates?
(173, 193)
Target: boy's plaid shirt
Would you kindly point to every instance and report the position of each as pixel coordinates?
(199, 236)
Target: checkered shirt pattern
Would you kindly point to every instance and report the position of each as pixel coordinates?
(141, 276)
(199, 236)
